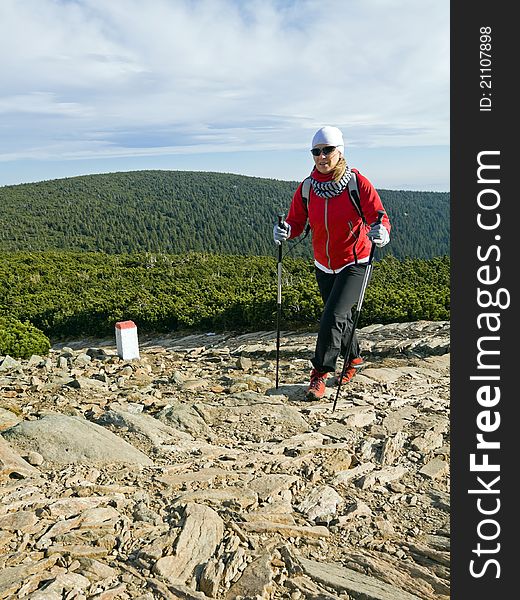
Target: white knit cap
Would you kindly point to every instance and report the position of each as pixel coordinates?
(330, 136)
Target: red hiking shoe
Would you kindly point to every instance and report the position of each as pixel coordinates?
(351, 370)
(317, 386)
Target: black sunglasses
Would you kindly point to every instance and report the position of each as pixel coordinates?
(325, 151)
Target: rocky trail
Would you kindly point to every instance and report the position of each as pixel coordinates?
(186, 474)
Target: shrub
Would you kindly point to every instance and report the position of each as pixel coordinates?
(21, 340)
(69, 295)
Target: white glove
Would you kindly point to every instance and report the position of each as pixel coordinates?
(379, 235)
(281, 232)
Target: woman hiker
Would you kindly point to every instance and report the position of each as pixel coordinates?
(341, 242)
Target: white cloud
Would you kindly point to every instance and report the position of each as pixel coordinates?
(126, 77)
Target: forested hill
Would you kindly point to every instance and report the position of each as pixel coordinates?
(180, 211)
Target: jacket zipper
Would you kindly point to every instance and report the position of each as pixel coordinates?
(328, 236)
(356, 238)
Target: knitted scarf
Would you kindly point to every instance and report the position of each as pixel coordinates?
(329, 189)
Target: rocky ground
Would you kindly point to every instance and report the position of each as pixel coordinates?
(186, 474)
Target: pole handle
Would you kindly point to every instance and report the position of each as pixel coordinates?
(380, 215)
(281, 220)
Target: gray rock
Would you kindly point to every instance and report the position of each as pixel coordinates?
(259, 418)
(10, 364)
(201, 533)
(241, 497)
(11, 578)
(355, 510)
(384, 375)
(356, 584)
(268, 487)
(22, 521)
(256, 580)
(383, 476)
(34, 458)
(67, 440)
(392, 447)
(359, 416)
(396, 420)
(185, 418)
(12, 462)
(87, 383)
(435, 468)
(336, 430)
(151, 428)
(431, 440)
(8, 419)
(321, 504)
(82, 359)
(35, 361)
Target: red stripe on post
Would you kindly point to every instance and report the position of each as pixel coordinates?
(125, 325)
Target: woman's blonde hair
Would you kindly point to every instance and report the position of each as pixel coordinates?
(339, 169)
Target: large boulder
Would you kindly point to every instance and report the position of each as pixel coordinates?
(64, 439)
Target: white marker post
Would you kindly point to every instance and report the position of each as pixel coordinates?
(126, 340)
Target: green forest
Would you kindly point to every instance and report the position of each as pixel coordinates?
(75, 294)
(174, 212)
(179, 251)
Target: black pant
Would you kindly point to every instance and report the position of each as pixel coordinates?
(339, 292)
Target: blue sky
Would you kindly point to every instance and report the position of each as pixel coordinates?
(96, 86)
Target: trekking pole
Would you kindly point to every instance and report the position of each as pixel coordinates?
(358, 310)
(279, 300)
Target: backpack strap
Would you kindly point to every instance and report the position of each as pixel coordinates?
(352, 189)
(354, 195)
(306, 188)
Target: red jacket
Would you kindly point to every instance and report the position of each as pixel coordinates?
(339, 236)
